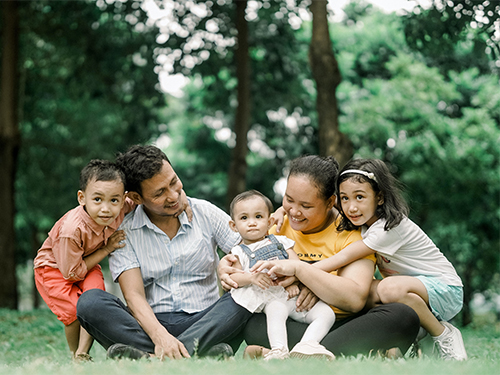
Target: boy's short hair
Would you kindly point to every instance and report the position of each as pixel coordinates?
(247, 195)
(100, 170)
(140, 163)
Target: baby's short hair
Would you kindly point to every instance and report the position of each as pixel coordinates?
(100, 170)
(247, 195)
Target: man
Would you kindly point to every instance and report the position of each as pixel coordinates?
(166, 271)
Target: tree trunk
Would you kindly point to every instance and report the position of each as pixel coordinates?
(35, 245)
(326, 73)
(9, 147)
(238, 167)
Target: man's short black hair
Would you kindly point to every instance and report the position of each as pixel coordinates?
(140, 163)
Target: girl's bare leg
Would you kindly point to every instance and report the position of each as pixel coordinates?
(411, 292)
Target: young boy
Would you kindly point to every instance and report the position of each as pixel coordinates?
(251, 218)
(67, 264)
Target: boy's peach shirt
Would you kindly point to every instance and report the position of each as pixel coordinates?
(74, 237)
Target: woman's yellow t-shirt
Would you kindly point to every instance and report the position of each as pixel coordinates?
(317, 246)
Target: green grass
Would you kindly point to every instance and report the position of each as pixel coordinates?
(33, 343)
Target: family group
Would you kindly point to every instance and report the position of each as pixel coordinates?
(298, 282)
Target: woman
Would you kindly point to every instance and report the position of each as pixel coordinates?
(311, 222)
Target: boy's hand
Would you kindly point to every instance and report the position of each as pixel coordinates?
(115, 241)
(262, 280)
(185, 207)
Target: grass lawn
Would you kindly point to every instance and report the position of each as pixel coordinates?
(33, 343)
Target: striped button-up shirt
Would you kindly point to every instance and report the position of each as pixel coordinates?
(179, 274)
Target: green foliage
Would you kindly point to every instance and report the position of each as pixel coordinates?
(88, 91)
(456, 35)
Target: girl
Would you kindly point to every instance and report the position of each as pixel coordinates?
(426, 281)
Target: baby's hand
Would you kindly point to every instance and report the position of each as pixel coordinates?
(115, 241)
(292, 290)
(262, 280)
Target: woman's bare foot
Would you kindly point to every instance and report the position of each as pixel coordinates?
(255, 352)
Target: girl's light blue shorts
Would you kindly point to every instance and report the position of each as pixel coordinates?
(445, 301)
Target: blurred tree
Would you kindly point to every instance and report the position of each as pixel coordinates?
(327, 75)
(9, 148)
(457, 34)
(238, 166)
(201, 44)
(87, 89)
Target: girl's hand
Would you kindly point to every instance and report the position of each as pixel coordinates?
(277, 218)
(261, 280)
(115, 241)
(306, 299)
(225, 269)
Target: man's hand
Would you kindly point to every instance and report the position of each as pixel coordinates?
(169, 346)
(292, 290)
(306, 299)
(225, 269)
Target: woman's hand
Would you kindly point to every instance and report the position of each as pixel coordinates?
(276, 268)
(225, 269)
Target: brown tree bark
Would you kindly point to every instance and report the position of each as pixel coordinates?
(327, 75)
(9, 147)
(238, 167)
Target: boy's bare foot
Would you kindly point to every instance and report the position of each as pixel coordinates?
(82, 357)
(255, 352)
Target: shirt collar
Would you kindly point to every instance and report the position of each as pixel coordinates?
(96, 228)
(141, 219)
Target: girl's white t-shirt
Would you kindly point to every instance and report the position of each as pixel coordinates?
(407, 250)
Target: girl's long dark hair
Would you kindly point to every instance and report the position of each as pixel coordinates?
(394, 207)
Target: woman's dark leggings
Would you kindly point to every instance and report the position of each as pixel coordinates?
(380, 328)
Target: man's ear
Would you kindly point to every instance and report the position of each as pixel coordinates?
(232, 225)
(81, 197)
(135, 196)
